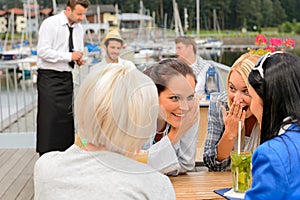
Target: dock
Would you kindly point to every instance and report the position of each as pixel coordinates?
(16, 173)
(17, 130)
(239, 48)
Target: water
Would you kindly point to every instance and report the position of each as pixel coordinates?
(228, 58)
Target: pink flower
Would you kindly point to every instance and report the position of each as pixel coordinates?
(260, 40)
(274, 45)
(270, 48)
(276, 42)
(289, 43)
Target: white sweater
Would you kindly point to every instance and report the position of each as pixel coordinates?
(77, 174)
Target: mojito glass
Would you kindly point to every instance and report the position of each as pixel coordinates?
(241, 171)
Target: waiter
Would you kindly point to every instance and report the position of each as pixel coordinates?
(60, 47)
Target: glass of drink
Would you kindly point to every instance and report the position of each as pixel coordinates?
(241, 171)
(141, 156)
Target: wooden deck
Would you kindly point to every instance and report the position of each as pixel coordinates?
(16, 173)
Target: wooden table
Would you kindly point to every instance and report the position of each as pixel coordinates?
(200, 185)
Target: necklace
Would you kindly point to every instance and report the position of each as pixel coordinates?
(160, 134)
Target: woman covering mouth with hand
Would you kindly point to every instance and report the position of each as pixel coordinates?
(222, 132)
(173, 148)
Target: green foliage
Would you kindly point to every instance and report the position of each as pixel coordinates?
(231, 14)
(297, 28)
(287, 27)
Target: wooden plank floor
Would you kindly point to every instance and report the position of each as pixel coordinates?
(16, 173)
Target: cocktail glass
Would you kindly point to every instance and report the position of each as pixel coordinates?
(241, 171)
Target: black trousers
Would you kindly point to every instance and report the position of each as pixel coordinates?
(55, 121)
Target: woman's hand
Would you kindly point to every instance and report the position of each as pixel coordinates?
(231, 119)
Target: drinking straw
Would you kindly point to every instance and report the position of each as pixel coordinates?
(239, 136)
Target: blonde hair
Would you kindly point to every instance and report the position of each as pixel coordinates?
(243, 65)
(116, 107)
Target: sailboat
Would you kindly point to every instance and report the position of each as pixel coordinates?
(17, 51)
(210, 47)
(24, 48)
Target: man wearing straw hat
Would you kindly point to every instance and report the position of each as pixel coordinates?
(113, 43)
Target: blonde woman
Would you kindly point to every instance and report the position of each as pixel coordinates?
(223, 126)
(115, 110)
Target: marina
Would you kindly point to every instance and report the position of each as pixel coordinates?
(148, 38)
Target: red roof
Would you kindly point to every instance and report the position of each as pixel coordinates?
(16, 11)
(19, 11)
(2, 12)
(46, 11)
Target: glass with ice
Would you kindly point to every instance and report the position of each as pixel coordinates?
(241, 171)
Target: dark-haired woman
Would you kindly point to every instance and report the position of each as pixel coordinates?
(173, 148)
(275, 92)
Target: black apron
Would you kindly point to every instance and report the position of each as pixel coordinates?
(55, 122)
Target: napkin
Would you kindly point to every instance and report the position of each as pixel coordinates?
(228, 193)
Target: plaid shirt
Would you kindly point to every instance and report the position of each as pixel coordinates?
(215, 131)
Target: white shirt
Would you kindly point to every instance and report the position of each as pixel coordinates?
(200, 67)
(77, 174)
(103, 63)
(53, 45)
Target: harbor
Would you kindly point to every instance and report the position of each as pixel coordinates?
(146, 43)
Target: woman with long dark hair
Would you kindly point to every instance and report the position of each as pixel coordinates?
(275, 92)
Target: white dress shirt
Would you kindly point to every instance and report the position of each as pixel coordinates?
(53, 45)
(200, 67)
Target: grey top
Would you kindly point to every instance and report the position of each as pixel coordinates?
(174, 159)
(77, 174)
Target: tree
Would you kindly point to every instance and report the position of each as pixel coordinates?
(280, 15)
(291, 8)
(232, 14)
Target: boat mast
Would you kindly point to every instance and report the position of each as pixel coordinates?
(197, 16)
(99, 22)
(177, 20)
(141, 12)
(54, 7)
(117, 14)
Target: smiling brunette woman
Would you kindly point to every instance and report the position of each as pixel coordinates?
(174, 146)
